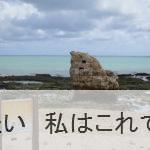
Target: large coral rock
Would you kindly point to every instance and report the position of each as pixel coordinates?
(87, 73)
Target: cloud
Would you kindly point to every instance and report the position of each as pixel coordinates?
(58, 20)
(18, 11)
(25, 20)
(132, 13)
(77, 20)
(50, 5)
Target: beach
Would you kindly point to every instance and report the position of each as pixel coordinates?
(74, 75)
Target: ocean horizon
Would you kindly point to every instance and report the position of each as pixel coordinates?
(60, 64)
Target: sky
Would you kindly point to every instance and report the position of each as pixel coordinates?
(56, 27)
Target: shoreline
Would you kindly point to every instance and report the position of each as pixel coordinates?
(137, 81)
(68, 75)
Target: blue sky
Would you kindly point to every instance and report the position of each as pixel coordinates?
(55, 27)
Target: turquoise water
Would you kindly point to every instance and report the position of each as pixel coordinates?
(59, 65)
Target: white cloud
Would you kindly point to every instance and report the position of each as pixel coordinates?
(18, 10)
(89, 20)
(138, 10)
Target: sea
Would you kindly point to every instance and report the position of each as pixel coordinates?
(59, 65)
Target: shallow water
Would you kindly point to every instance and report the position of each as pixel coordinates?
(24, 82)
(59, 65)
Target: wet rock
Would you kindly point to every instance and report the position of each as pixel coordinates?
(87, 73)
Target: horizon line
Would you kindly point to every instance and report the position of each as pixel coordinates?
(69, 55)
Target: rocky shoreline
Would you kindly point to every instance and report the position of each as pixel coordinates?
(86, 73)
(138, 81)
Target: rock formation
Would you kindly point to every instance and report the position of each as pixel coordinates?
(87, 73)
